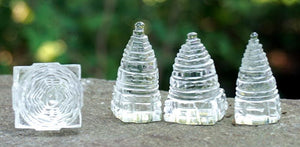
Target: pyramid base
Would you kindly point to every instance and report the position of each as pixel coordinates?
(136, 116)
(257, 112)
(257, 120)
(199, 112)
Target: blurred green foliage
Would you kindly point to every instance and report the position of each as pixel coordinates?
(94, 33)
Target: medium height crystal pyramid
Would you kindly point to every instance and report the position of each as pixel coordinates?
(136, 97)
(257, 100)
(195, 96)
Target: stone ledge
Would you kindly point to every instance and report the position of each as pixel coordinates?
(101, 128)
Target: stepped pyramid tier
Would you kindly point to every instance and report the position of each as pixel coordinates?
(136, 97)
(195, 96)
(257, 100)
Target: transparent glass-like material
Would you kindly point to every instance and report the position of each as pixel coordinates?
(136, 97)
(195, 96)
(257, 100)
(47, 96)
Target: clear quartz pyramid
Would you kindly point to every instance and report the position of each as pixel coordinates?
(136, 97)
(257, 100)
(195, 96)
(47, 96)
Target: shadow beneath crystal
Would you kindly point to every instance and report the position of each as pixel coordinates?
(33, 133)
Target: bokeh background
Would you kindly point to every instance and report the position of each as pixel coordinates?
(94, 34)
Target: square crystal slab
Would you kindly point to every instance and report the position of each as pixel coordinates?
(47, 96)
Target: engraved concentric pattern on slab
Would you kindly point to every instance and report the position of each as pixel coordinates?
(136, 97)
(195, 96)
(47, 96)
(257, 100)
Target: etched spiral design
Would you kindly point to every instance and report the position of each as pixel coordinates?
(136, 97)
(194, 87)
(50, 96)
(257, 99)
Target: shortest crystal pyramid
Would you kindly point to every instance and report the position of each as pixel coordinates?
(257, 100)
(195, 96)
(136, 97)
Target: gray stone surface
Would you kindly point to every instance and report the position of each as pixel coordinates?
(101, 128)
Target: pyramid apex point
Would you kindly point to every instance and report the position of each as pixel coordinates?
(139, 25)
(253, 35)
(192, 35)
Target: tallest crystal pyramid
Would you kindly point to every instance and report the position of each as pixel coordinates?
(136, 97)
(257, 100)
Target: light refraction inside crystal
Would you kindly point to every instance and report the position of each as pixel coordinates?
(136, 97)
(195, 96)
(47, 96)
(257, 100)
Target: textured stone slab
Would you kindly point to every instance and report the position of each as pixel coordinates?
(101, 128)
